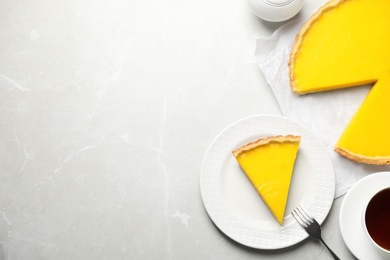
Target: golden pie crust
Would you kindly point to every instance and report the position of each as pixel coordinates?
(375, 160)
(265, 141)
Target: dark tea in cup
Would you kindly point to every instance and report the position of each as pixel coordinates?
(377, 219)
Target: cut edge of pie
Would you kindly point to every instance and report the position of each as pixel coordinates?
(299, 40)
(262, 142)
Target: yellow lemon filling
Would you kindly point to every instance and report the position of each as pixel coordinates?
(268, 163)
(367, 135)
(345, 44)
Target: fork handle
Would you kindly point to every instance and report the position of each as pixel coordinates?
(330, 250)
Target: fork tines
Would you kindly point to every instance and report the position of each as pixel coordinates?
(311, 226)
(302, 217)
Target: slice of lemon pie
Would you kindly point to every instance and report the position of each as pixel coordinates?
(346, 43)
(268, 163)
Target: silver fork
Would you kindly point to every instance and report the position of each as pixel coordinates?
(311, 226)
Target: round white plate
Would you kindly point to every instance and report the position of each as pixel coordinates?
(233, 204)
(351, 214)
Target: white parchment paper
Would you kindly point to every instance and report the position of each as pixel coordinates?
(327, 113)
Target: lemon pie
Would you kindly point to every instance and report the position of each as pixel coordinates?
(346, 43)
(268, 163)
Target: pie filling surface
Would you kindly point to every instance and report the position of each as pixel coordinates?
(268, 163)
(346, 43)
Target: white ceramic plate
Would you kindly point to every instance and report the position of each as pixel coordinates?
(351, 214)
(233, 204)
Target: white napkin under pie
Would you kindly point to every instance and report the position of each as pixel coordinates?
(326, 114)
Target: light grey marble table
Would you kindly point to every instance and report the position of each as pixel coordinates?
(107, 109)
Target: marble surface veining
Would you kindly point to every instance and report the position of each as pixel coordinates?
(106, 111)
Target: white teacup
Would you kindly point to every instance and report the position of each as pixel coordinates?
(376, 221)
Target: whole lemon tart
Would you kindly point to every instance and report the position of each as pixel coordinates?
(268, 163)
(346, 43)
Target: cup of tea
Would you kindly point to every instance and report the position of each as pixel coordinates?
(377, 222)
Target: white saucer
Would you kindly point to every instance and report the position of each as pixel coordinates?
(351, 214)
(233, 204)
